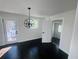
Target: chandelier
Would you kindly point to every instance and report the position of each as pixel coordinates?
(27, 22)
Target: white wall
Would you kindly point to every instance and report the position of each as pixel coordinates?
(66, 35)
(23, 33)
(74, 42)
(26, 34)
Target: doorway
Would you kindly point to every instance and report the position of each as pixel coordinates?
(56, 31)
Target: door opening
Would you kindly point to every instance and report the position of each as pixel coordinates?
(56, 31)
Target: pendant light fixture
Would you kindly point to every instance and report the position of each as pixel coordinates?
(27, 22)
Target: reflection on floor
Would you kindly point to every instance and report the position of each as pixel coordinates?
(55, 41)
(34, 51)
(4, 50)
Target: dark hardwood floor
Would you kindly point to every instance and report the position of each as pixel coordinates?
(34, 50)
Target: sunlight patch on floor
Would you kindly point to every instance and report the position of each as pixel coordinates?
(4, 50)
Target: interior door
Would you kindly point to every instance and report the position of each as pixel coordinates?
(46, 31)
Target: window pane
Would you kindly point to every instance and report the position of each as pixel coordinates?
(34, 24)
(59, 28)
(11, 30)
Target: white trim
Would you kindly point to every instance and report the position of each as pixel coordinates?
(53, 19)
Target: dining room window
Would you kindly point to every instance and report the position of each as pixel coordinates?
(34, 24)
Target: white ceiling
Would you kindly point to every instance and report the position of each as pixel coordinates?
(39, 7)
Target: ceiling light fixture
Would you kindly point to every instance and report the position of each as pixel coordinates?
(27, 22)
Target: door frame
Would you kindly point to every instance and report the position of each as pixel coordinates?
(62, 18)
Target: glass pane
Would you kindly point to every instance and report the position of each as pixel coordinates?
(34, 24)
(11, 30)
(59, 28)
